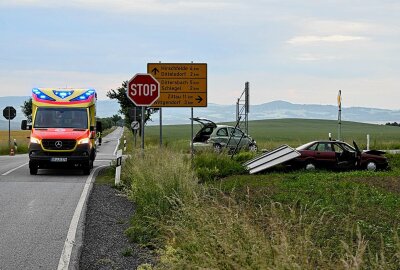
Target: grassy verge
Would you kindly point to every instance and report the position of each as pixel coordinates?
(106, 176)
(277, 220)
(21, 138)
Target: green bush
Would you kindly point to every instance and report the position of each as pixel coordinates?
(244, 156)
(211, 166)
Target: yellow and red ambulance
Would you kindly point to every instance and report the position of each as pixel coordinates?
(63, 130)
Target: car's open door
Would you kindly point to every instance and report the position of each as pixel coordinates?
(204, 122)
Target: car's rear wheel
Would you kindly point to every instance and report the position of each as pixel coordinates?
(309, 166)
(217, 148)
(371, 166)
(253, 148)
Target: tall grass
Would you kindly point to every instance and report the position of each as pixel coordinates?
(195, 226)
(211, 234)
(158, 183)
(209, 166)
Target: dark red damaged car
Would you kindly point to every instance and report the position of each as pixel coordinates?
(338, 155)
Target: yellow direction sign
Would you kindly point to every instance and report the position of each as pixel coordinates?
(181, 85)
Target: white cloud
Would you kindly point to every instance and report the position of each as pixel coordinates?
(323, 27)
(315, 57)
(303, 40)
(125, 6)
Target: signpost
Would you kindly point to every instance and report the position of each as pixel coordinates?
(339, 100)
(143, 90)
(181, 85)
(135, 125)
(9, 113)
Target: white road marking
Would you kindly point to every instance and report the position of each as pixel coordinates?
(10, 171)
(116, 147)
(70, 240)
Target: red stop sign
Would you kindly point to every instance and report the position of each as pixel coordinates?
(143, 89)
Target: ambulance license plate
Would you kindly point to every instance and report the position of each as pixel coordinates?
(58, 159)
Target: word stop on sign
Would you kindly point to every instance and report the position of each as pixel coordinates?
(143, 89)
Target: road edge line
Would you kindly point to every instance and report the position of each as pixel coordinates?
(119, 141)
(69, 243)
(10, 171)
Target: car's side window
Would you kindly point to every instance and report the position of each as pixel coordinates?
(222, 132)
(337, 148)
(347, 148)
(237, 133)
(313, 147)
(230, 131)
(324, 147)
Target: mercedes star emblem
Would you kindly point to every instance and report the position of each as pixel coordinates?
(58, 144)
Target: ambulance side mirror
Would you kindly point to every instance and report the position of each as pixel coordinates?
(99, 126)
(25, 126)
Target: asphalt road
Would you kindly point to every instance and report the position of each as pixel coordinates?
(36, 210)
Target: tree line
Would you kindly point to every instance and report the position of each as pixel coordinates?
(395, 124)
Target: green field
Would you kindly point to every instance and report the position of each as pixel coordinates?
(21, 138)
(272, 133)
(211, 214)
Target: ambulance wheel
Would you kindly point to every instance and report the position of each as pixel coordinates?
(86, 170)
(33, 168)
(88, 167)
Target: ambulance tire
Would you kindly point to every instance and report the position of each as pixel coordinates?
(33, 168)
(88, 167)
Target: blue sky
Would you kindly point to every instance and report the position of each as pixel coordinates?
(299, 51)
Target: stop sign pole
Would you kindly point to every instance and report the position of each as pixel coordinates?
(143, 90)
(9, 128)
(9, 113)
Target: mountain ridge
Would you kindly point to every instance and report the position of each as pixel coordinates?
(276, 109)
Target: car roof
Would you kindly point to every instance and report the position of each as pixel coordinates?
(327, 141)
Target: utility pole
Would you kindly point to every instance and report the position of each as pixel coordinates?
(339, 100)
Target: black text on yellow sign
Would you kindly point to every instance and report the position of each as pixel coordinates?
(175, 71)
(181, 85)
(181, 100)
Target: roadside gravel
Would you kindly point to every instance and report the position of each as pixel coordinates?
(105, 245)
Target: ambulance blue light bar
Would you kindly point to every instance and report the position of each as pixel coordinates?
(85, 95)
(63, 93)
(40, 95)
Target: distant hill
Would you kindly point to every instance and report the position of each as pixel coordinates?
(278, 110)
(223, 113)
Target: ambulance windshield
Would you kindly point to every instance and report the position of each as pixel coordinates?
(61, 118)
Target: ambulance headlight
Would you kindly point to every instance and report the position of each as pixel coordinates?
(34, 140)
(84, 140)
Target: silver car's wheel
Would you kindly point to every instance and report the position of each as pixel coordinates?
(217, 148)
(310, 166)
(371, 166)
(253, 148)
